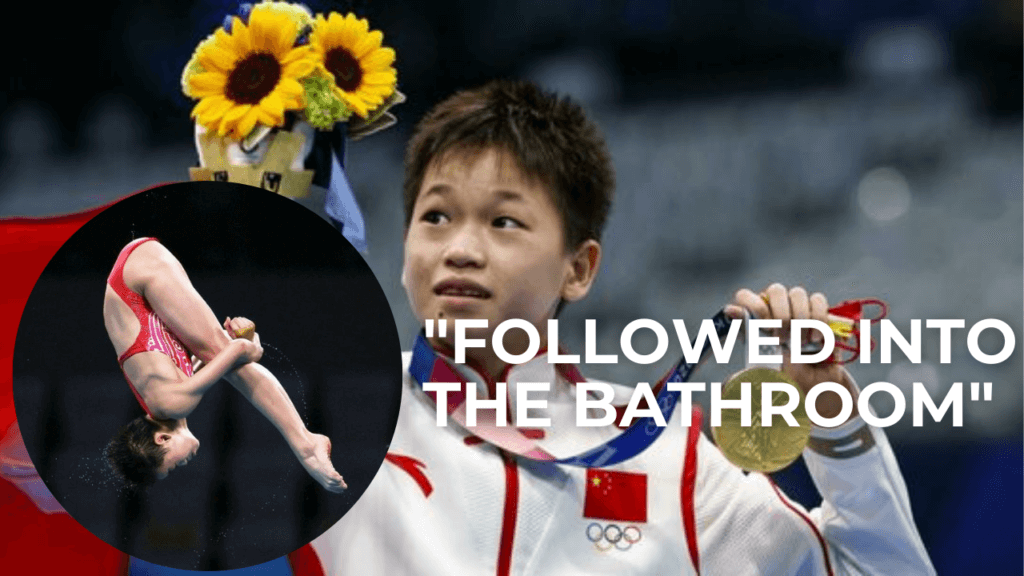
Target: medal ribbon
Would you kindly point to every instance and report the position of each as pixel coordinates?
(847, 337)
(428, 366)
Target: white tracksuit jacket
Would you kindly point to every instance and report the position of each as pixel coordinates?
(445, 503)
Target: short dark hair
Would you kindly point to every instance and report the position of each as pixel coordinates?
(133, 453)
(551, 138)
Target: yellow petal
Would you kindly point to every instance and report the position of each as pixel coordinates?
(218, 59)
(268, 120)
(227, 129)
(320, 26)
(219, 106)
(368, 44)
(346, 34)
(378, 60)
(371, 102)
(260, 28)
(224, 40)
(248, 122)
(210, 109)
(199, 108)
(336, 23)
(362, 24)
(211, 126)
(276, 31)
(355, 103)
(382, 90)
(321, 69)
(242, 36)
(316, 37)
(283, 39)
(237, 112)
(299, 68)
(207, 84)
(300, 53)
(289, 87)
(380, 78)
(273, 107)
(372, 98)
(230, 119)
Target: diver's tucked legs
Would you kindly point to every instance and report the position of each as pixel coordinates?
(264, 391)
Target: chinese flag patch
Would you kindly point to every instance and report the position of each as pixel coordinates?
(614, 495)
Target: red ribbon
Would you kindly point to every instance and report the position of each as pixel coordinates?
(854, 310)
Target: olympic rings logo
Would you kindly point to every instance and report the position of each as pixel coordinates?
(613, 536)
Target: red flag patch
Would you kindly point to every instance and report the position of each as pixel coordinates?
(612, 495)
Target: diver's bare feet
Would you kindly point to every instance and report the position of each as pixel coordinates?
(319, 466)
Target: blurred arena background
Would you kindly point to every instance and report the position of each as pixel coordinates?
(864, 149)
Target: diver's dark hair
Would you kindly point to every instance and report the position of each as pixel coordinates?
(133, 453)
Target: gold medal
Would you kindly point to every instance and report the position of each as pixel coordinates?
(755, 447)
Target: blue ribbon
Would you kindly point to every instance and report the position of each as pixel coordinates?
(340, 203)
(635, 439)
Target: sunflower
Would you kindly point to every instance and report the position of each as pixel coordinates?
(249, 75)
(352, 55)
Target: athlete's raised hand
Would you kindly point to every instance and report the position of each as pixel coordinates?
(240, 327)
(786, 304)
(252, 350)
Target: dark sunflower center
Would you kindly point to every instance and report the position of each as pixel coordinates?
(253, 78)
(346, 70)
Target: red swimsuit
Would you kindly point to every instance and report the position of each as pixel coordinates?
(153, 335)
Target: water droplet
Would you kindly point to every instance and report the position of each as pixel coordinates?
(289, 372)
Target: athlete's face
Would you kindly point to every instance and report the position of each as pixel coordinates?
(181, 448)
(486, 242)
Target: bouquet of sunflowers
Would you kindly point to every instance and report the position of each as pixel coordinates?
(276, 57)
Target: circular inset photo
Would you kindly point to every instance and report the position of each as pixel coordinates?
(207, 376)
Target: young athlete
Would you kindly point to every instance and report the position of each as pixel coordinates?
(506, 192)
(156, 321)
